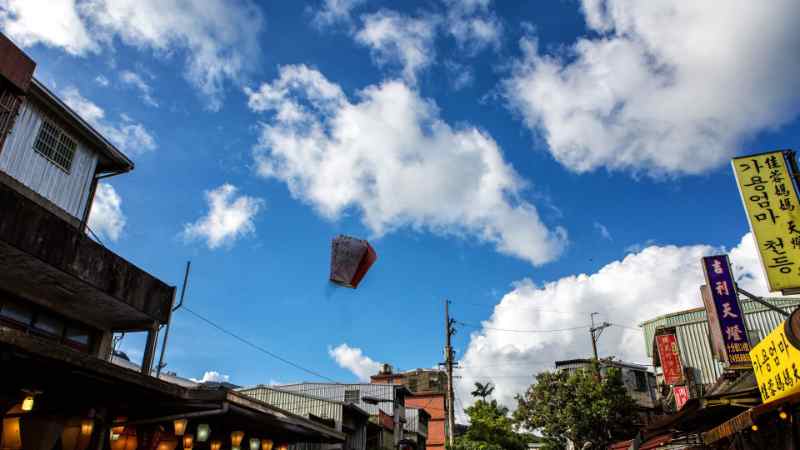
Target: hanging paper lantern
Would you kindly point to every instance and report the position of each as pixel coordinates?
(236, 438)
(215, 445)
(12, 437)
(180, 426)
(203, 432)
(266, 444)
(188, 442)
(76, 435)
(126, 441)
(255, 443)
(167, 444)
(27, 403)
(351, 258)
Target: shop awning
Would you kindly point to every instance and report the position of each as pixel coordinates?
(72, 383)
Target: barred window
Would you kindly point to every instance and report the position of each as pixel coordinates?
(55, 145)
(352, 396)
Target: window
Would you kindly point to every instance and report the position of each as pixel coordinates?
(352, 396)
(641, 381)
(55, 145)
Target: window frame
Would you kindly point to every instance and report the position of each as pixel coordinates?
(54, 142)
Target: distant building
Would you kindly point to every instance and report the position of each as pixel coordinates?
(345, 417)
(639, 381)
(428, 389)
(385, 404)
(691, 329)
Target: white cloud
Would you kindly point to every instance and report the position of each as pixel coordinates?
(102, 81)
(212, 376)
(390, 156)
(106, 218)
(662, 278)
(473, 25)
(401, 40)
(354, 360)
(54, 23)
(662, 86)
(603, 230)
(219, 38)
(335, 11)
(135, 80)
(129, 136)
(229, 217)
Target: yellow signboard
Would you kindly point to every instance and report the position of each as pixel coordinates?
(773, 209)
(777, 365)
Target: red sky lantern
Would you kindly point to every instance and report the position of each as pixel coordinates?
(351, 258)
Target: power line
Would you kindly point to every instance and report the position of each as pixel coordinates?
(582, 327)
(258, 347)
(627, 327)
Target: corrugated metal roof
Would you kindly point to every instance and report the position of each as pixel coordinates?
(692, 331)
(350, 393)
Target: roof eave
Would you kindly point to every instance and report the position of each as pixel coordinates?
(116, 161)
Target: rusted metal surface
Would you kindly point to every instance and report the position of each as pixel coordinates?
(49, 261)
(15, 66)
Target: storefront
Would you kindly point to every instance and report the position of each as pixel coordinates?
(58, 398)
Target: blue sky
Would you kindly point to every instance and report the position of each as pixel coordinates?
(492, 152)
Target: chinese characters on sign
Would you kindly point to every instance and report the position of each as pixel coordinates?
(777, 365)
(770, 200)
(667, 345)
(681, 394)
(725, 318)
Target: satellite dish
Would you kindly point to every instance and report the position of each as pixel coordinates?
(351, 258)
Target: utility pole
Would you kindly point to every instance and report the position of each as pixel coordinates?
(448, 355)
(596, 331)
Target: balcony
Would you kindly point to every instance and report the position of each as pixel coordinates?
(45, 259)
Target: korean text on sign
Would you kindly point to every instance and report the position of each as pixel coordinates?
(669, 357)
(770, 200)
(777, 365)
(728, 314)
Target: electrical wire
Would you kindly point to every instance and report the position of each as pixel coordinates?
(627, 327)
(258, 347)
(582, 327)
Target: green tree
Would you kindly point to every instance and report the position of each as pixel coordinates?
(578, 406)
(490, 428)
(482, 390)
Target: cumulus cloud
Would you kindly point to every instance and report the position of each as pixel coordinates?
(129, 136)
(230, 217)
(473, 25)
(212, 376)
(135, 80)
(664, 278)
(335, 11)
(219, 38)
(400, 40)
(390, 156)
(106, 218)
(354, 360)
(663, 86)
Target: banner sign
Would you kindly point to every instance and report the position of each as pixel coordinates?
(669, 357)
(725, 317)
(681, 394)
(770, 200)
(714, 332)
(777, 365)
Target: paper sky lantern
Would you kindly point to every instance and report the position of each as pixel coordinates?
(351, 258)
